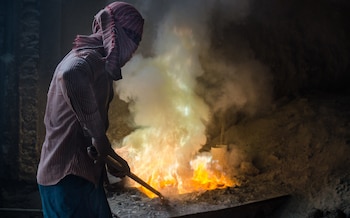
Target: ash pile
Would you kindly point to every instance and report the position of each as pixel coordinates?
(243, 201)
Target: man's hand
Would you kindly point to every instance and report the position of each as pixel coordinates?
(118, 168)
(93, 154)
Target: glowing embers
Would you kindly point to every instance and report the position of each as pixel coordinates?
(164, 172)
(208, 174)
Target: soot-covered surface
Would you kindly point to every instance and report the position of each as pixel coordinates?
(299, 148)
(132, 203)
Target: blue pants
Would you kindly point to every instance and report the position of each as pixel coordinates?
(74, 197)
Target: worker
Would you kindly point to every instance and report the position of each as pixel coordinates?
(76, 117)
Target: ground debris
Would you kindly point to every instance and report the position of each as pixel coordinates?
(130, 202)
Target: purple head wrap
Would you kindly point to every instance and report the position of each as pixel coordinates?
(118, 29)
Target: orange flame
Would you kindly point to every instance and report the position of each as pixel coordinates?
(204, 174)
(172, 117)
(207, 178)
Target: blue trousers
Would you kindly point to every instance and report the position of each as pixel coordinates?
(74, 197)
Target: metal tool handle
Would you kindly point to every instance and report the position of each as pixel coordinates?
(114, 163)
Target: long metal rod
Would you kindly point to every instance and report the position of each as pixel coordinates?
(137, 179)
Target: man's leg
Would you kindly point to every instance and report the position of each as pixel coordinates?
(74, 197)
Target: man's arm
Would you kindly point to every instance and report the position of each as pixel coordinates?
(77, 81)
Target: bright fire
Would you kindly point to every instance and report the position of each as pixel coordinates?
(170, 117)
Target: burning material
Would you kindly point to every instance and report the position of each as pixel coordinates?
(209, 174)
(205, 173)
(170, 117)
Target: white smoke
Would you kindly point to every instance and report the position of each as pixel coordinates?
(160, 88)
(176, 82)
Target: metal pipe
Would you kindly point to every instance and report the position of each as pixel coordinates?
(110, 160)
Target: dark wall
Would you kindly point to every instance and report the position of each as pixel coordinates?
(304, 43)
(77, 17)
(19, 64)
(9, 92)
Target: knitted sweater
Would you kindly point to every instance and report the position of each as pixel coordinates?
(76, 110)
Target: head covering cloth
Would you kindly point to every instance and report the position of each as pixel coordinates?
(118, 29)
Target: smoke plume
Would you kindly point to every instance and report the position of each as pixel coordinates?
(178, 81)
